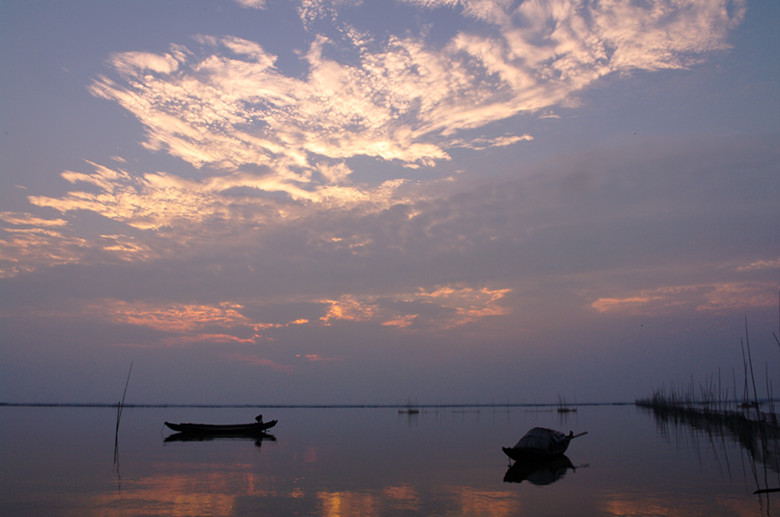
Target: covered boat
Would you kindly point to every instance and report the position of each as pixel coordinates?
(229, 429)
(540, 443)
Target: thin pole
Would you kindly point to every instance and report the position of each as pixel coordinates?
(119, 407)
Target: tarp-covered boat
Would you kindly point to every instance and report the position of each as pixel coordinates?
(540, 443)
(229, 429)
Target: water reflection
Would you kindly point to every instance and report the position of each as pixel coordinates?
(195, 437)
(371, 462)
(712, 432)
(540, 472)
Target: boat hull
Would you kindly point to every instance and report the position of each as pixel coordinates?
(528, 454)
(215, 429)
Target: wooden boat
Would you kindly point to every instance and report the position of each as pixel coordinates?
(540, 443)
(217, 429)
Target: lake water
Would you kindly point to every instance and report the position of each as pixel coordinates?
(370, 462)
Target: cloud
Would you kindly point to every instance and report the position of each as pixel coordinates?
(718, 297)
(173, 318)
(254, 360)
(316, 358)
(183, 324)
(252, 4)
(28, 219)
(442, 307)
(760, 265)
(27, 249)
(170, 205)
(226, 105)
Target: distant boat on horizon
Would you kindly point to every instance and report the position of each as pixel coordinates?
(410, 409)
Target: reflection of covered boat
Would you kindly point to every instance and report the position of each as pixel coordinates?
(255, 428)
(540, 443)
(539, 472)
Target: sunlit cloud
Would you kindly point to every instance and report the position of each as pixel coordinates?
(160, 200)
(272, 146)
(348, 308)
(726, 296)
(27, 249)
(125, 247)
(198, 338)
(454, 306)
(469, 303)
(761, 265)
(28, 219)
(227, 322)
(175, 317)
(316, 358)
(263, 362)
(402, 321)
(225, 103)
(253, 4)
(481, 144)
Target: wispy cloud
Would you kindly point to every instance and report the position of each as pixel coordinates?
(175, 317)
(271, 146)
(28, 219)
(726, 296)
(263, 362)
(760, 265)
(253, 4)
(183, 324)
(441, 307)
(225, 104)
(27, 249)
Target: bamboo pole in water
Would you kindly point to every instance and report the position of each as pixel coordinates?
(119, 406)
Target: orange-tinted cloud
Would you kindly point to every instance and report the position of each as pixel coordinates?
(316, 358)
(226, 104)
(462, 304)
(175, 317)
(27, 249)
(255, 360)
(726, 296)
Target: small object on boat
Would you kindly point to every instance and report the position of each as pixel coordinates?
(540, 443)
(229, 429)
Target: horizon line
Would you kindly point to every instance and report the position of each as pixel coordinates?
(311, 405)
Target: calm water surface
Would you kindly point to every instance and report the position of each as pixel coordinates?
(372, 461)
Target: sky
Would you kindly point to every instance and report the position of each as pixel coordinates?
(378, 201)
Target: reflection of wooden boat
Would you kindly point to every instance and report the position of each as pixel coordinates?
(539, 443)
(539, 472)
(223, 430)
(200, 437)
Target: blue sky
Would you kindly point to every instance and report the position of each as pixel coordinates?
(368, 201)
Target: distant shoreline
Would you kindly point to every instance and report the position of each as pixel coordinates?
(307, 406)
